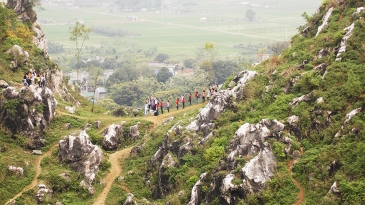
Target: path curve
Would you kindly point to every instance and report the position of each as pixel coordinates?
(115, 171)
(301, 189)
(34, 182)
(116, 168)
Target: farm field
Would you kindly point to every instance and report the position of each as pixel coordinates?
(182, 33)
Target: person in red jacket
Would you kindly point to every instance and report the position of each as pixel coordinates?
(177, 103)
(190, 98)
(196, 97)
(183, 101)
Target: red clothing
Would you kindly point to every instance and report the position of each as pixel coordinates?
(177, 101)
(182, 99)
(161, 104)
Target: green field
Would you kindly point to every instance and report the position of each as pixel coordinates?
(180, 34)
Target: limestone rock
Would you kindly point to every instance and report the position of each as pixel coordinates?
(98, 124)
(3, 84)
(133, 132)
(294, 126)
(67, 126)
(220, 101)
(70, 109)
(82, 156)
(19, 171)
(342, 49)
(325, 20)
(305, 98)
(129, 200)
(334, 189)
(37, 152)
(112, 136)
(42, 192)
(163, 186)
(19, 55)
(260, 169)
(249, 139)
(196, 197)
(34, 108)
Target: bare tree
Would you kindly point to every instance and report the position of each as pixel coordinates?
(278, 47)
(79, 34)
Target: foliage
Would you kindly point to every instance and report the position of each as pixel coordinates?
(163, 75)
(161, 57)
(250, 15)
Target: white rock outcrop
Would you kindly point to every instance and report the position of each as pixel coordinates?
(82, 156)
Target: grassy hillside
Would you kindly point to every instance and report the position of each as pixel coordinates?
(330, 142)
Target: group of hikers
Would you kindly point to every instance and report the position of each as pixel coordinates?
(154, 104)
(31, 77)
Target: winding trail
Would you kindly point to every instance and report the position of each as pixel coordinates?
(301, 189)
(38, 170)
(115, 158)
(115, 171)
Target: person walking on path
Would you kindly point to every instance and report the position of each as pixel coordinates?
(183, 101)
(177, 103)
(190, 98)
(161, 106)
(196, 97)
(168, 105)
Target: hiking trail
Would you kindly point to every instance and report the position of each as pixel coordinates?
(300, 197)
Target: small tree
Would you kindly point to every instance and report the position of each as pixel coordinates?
(162, 57)
(79, 34)
(98, 72)
(250, 15)
(163, 75)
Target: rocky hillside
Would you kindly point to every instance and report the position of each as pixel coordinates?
(288, 131)
(302, 111)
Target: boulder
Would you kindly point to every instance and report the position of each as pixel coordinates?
(112, 136)
(129, 200)
(259, 170)
(37, 152)
(70, 109)
(19, 171)
(133, 134)
(98, 124)
(82, 156)
(42, 193)
(19, 55)
(3, 84)
(294, 126)
(305, 98)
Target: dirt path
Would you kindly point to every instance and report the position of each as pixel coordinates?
(301, 189)
(34, 182)
(115, 171)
